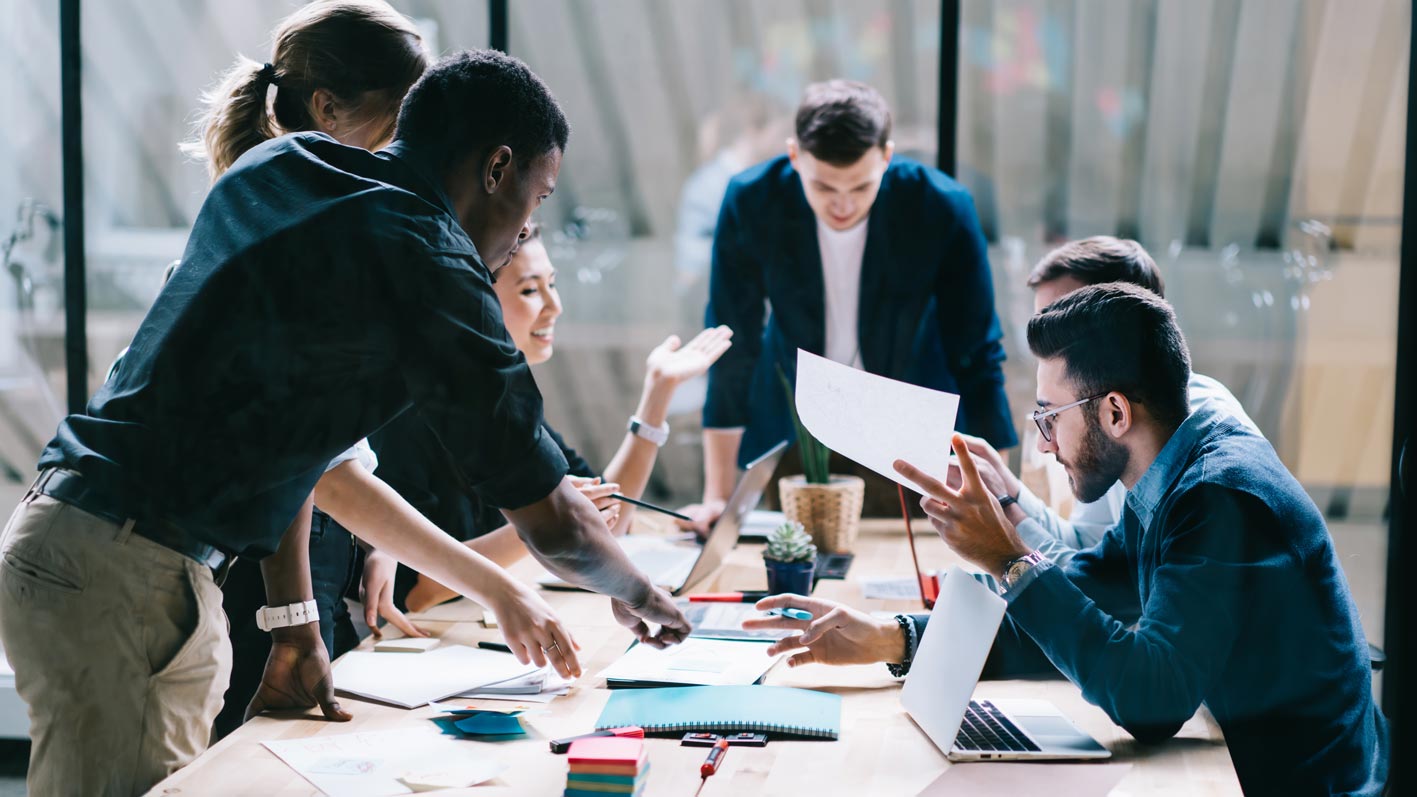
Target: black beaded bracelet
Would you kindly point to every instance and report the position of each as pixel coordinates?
(907, 627)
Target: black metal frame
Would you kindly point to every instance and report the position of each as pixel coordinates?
(76, 353)
(946, 128)
(1399, 698)
(497, 31)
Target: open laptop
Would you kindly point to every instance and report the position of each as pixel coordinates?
(947, 665)
(677, 566)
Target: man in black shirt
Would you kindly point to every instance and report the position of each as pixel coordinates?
(324, 290)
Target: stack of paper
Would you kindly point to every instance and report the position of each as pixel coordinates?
(607, 766)
(705, 662)
(541, 686)
(413, 681)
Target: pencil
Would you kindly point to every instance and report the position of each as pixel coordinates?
(648, 505)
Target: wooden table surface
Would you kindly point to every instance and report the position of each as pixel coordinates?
(880, 752)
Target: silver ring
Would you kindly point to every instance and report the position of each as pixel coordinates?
(556, 646)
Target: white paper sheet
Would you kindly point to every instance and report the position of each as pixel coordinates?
(891, 589)
(874, 420)
(708, 662)
(411, 681)
(371, 764)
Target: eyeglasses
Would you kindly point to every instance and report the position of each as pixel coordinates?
(1044, 418)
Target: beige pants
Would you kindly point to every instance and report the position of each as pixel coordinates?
(119, 647)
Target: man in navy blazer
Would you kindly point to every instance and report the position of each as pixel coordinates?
(870, 260)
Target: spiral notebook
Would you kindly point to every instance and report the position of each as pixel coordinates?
(726, 709)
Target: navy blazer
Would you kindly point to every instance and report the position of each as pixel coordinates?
(924, 252)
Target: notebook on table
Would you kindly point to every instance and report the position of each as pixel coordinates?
(410, 681)
(726, 709)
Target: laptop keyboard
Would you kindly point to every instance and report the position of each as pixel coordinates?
(986, 729)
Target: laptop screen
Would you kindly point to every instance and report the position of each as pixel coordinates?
(949, 660)
(746, 495)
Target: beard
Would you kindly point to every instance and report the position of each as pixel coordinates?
(1098, 465)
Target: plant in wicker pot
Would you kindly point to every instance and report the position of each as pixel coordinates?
(791, 559)
(827, 504)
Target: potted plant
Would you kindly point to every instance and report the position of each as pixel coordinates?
(828, 505)
(791, 559)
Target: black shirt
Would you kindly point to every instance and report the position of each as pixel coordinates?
(324, 289)
(416, 465)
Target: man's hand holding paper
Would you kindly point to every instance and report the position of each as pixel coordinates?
(968, 519)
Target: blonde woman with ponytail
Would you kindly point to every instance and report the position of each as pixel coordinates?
(339, 67)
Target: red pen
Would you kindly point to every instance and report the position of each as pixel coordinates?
(711, 764)
(728, 597)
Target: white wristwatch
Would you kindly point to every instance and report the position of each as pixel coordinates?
(659, 435)
(269, 617)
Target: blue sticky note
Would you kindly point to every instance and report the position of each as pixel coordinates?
(490, 724)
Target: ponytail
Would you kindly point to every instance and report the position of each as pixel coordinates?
(351, 48)
(235, 117)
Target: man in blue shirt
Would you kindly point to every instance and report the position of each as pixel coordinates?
(1073, 265)
(1220, 586)
(843, 249)
(324, 290)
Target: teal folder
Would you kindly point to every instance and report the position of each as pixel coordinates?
(726, 709)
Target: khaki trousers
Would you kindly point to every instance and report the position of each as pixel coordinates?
(119, 647)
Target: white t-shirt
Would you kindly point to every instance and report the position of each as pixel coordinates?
(842, 251)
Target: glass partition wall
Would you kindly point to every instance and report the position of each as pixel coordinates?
(1256, 148)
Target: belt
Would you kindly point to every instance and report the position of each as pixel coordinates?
(71, 488)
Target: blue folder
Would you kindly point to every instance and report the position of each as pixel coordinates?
(726, 709)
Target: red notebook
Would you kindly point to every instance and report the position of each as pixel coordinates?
(614, 751)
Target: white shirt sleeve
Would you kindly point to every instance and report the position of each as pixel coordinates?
(359, 451)
(1060, 539)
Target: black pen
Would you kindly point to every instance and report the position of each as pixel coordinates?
(494, 646)
(648, 505)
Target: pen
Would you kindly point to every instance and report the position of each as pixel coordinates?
(494, 646)
(793, 614)
(728, 597)
(629, 731)
(712, 763)
(647, 505)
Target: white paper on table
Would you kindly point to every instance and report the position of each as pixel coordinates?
(371, 764)
(891, 589)
(759, 522)
(873, 420)
(706, 662)
(413, 681)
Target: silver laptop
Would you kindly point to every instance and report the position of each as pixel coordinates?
(945, 670)
(677, 566)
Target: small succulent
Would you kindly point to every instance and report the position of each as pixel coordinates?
(790, 543)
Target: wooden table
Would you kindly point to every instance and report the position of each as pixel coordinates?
(881, 751)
